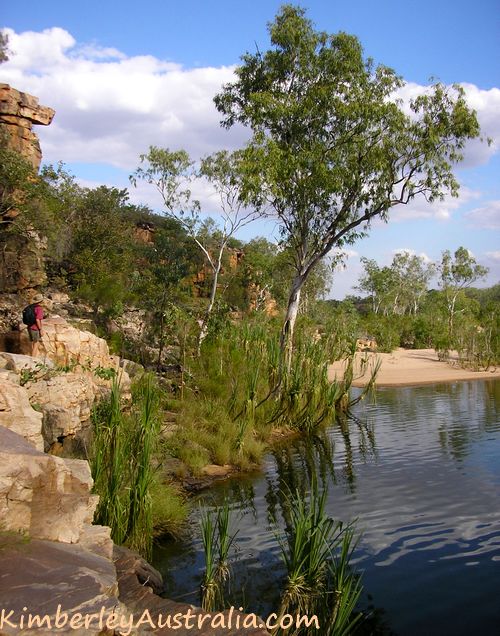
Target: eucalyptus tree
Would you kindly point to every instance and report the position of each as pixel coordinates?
(171, 173)
(332, 147)
(375, 281)
(457, 273)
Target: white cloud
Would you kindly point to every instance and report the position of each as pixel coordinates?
(110, 107)
(440, 210)
(494, 255)
(486, 217)
(405, 250)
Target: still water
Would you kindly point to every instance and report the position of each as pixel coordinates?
(420, 471)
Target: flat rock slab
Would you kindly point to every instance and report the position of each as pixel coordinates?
(38, 577)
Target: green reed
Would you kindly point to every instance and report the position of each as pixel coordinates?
(316, 551)
(122, 464)
(217, 541)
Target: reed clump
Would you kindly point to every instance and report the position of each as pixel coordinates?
(217, 540)
(239, 392)
(122, 464)
(317, 551)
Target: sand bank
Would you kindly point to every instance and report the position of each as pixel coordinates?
(406, 367)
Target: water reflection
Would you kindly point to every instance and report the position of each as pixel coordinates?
(420, 470)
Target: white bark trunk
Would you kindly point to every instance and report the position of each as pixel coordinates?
(290, 318)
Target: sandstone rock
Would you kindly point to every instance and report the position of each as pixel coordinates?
(19, 362)
(18, 112)
(72, 374)
(8, 376)
(43, 496)
(21, 262)
(97, 539)
(17, 415)
(43, 576)
(66, 401)
(133, 369)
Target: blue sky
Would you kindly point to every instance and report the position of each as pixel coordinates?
(124, 75)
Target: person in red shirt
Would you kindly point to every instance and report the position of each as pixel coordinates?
(35, 331)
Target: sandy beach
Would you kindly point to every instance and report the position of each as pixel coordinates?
(406, 367)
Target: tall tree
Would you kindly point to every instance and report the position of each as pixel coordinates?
(332, 147)
(458, 272)
(171, 173)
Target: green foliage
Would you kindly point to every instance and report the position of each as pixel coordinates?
(122, 464)
(37, 372)
(18, 183)
(237, 393)
(331, 149)
(398, 289)
(217, 540)
(316, 551)
(170, 509)
(105, 373)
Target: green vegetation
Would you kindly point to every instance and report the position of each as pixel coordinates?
(217, 541)
(316, 551)
(121, 459)
(239, 333)
(331, 149)
(401, 309)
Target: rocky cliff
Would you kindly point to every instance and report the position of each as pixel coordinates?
(21, 256)
(18, 112)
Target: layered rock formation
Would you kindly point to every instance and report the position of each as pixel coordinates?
(18, 112)
(37, 489)
(21, 262)
(63, 385)
(21, 257)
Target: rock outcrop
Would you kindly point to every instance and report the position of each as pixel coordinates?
(21, 262)
(43, 496)
(63, 386)
(18, 112)
(21, 256)
(17, 414)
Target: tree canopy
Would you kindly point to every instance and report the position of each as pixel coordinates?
(332, 147)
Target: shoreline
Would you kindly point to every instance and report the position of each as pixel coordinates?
(408, 367)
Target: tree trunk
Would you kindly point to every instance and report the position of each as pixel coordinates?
(211, 302)
(286, 342)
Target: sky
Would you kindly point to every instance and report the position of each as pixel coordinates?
(125, 75)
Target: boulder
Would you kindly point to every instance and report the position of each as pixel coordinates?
(17, 414)
(74, 372)
(57, 581)
(43, 496)
(66, 401)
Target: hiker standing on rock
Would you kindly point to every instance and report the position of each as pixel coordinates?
(33, 317)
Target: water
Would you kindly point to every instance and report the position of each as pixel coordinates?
(420, 471)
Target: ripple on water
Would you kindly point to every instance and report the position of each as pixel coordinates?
(420, 472)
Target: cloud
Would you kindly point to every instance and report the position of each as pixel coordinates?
(405, 250)
(110, 107)
(486, 217)
(440, 210)
(486, 103)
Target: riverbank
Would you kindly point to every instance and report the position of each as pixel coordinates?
(408, 367)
